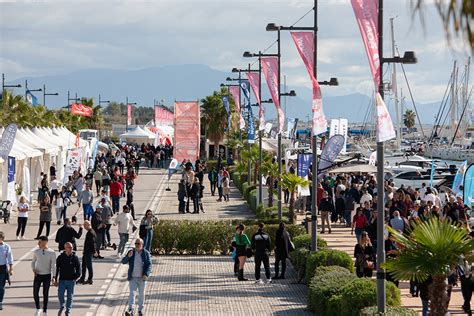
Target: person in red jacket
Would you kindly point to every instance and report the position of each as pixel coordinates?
(116, 191)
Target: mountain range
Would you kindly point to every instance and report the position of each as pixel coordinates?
(193, 82)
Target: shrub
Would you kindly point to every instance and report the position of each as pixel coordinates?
(328, 257)
(245, 187)
(253, 200)
(326, 284)
(298, 259)
(389, 311)
(260, 212)
(302, 241)
(247, 191)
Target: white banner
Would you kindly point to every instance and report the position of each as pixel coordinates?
(73, 162)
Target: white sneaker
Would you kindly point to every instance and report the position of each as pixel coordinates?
(45, 314)
(17, 237)
(269, 281)
(38, 312)
(259, 282)
(23, 238)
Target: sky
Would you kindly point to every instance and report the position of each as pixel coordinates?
(57, 37)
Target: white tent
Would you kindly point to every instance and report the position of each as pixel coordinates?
(137, 135)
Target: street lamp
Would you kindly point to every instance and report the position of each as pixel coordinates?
(7, 85)
(30, 90)
(127, 104)
(103, 101)
(408, 58)
(45, 94)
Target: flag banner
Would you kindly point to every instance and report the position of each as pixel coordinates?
(163, 116)
(331, 150)
(339, 127)
(373, 158)
(186, 130)
(11, 194)
(303, 163)
(129, 114)
(304, 42)
(244, 85)
(77, 142)
(270, 71)
(385, 130)
(254, 81)
(290, 123)
(173, 167)
(251, 129)
(268, 128)
(432, 172)
(366, 15)
(8, 137)
(225, 101)
(235, 92)
(459, 179)
(73, 162)
(469, 186)
(31, 98)
(81, 109)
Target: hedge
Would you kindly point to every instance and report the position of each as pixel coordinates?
(327, 282)
(204, 237)
(247, 189)
(237, 182)
(252, 200)
(304, 241)
(298, 259)
(328, 257)
(389, 311)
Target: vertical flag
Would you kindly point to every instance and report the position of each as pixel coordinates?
(432, 172)
(11, 194)
(129, 114)
(244, 85)
(459, 179)
(254, 81)
(366, 15)
(31, 98)
(469, 186)
(270, 70)
(304, 42)
(235, 91)
(225, 101)
(157, 115)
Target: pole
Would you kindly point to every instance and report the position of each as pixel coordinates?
(260, 132)
(126, 116)
(249, 146)
(3, 82)
(44, 95)
(280, 212)
(314, 189)
(395, 91)
(380, 185)
(26, 89)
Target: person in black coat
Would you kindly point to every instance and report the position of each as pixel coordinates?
(282, 239)
(130, 202)
(327, 208)
(67, 234)
(182, 197)
(87, 253)
(261, 247)
(99, 228)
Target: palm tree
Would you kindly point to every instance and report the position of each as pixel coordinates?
(291, 182)
(213, 118)
(431, 249)
(409, 119)
(270, 169)
(252, 156)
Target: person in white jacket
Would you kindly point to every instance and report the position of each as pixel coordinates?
(125, 222)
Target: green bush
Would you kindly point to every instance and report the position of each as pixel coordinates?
(253, 200)
(305, 241)
(236, 179)
(298, 259)
(245, 187)
(328, 257)
(260, 212)
(389, 311)
(326, 284)
(247, 190)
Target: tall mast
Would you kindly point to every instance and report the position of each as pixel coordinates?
(395, 89)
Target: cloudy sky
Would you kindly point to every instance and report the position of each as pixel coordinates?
(57, 37)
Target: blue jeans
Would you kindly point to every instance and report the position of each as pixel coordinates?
(358, 233)
(88, 210)
(123, 240)
(424, 310)
(136, 284)
(87, 264)
(115, 204)
(148, 239)
(66, 285)
(3, 280)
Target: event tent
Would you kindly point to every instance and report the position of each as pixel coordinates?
(137, 135)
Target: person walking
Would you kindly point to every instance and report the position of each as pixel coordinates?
(43, 265)
(241, 243)
(327, 208)
(181, 197)
(261, 247)
(226, 188)
(195, 193)
(220, 178)
(365, 256)
(139, 269)
(107, 215)
(98, 180)
(86, 198)
(105, 181)
(124, 222)
(129, 202)
(116, 191)
(282, 240)
(146, 228)
(87, 253)
(45, 216)
(99, 228)
(6, 266)
(23, 209)
(68, 270)
(67, 234)
(212, 176)
(65, 196)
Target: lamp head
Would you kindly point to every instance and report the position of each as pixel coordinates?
(409, 57)
(292, 93)
(228, 79)
(333, 82)
(271, 27)
(248, 54)
(222, 85)
(235, 70)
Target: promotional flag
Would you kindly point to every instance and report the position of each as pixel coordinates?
(31, 98)
(304, 42)
(303, 163)
(225, 101)
(8, 137)
(251, 129)
(244, 86)
(235, 92)
(268, 128)
(469, 186)
(432, 172)
(73, 162)
(366, 16)
(459, 179)
(129, 114)
(330, 151)
(11, 194)
(81, 109)
(254, 81)
(78, 140)
(187, 130)
(270, 71)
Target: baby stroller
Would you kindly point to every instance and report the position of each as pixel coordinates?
(5, 211)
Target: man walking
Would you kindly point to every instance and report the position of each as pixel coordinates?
(86, 198)
(213, 180)
(67, 272)
(99, 228)
(327, 207)
(88, 252)
(116, 192)
(67, 234)
(6, 266)
(261, 246)
(139, 269)
(124, 221)
(43, 265)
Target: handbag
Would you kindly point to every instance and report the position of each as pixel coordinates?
(248, 252)
(291, 246)
(368, 264)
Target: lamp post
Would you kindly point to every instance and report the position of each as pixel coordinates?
(69, 99)
(30, 90)
(331, 82)
(408, 58)
(8, 85)
(128, 103)
(45, 94)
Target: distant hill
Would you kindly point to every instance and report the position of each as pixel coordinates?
(191, 82)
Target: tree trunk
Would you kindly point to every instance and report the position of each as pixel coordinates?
(438, 296)
(255, 174)
(291, 207)
(270, 192)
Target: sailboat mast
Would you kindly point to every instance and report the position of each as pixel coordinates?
(395, 89)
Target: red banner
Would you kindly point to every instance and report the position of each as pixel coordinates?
(163, 116)
(254, 81)
(129, 114)
(81, 109)
(305, 44)
(235, 91)
(270, 70)
(187, 130)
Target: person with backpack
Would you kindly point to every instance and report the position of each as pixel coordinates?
(261, 247)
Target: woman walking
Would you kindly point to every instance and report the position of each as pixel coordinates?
(23, 208)
(226, 188)
(45, 216)
(365, 256)
(146, 228)
(242, 245)
(282, 240)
